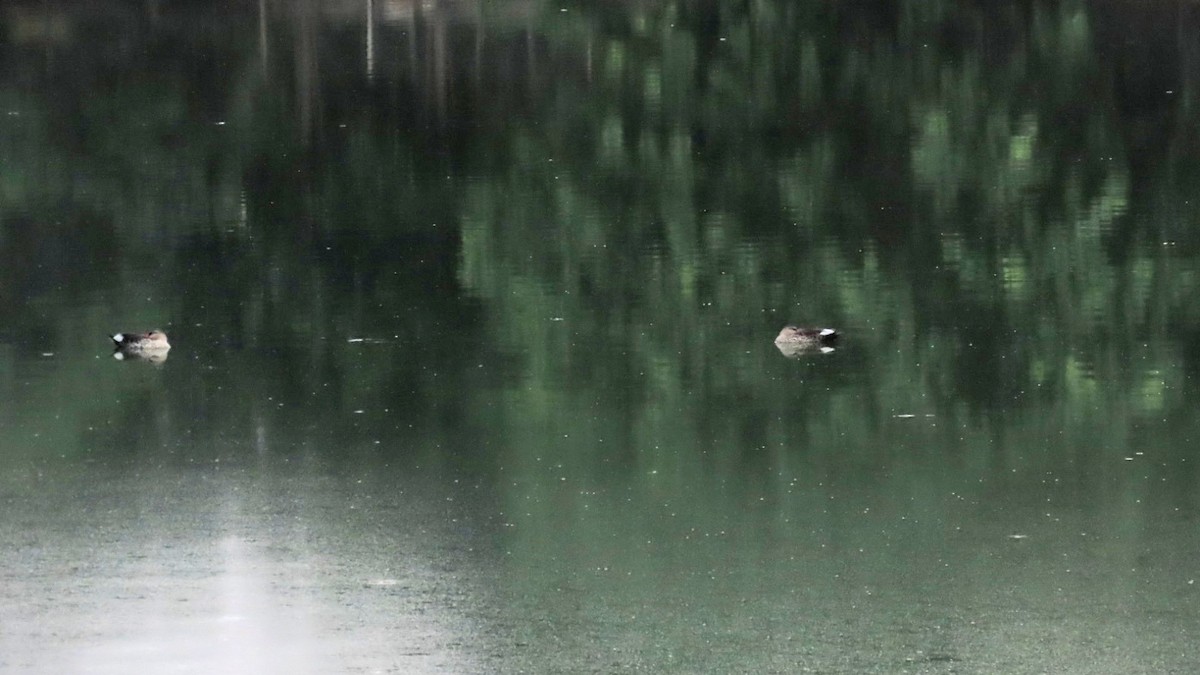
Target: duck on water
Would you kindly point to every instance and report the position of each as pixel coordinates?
(793, 334)
(152, 345)
(794, 340)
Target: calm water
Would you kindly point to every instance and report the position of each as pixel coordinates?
(472, 309)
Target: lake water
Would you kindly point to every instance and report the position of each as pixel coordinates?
(472, 308)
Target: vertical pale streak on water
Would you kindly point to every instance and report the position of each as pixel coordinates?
(440, 71)
(263, 45)
(413, 54)
(370, 39)
(952, 251)
(477, 71)
(1015, 271)
(307, 85)
(590, 48)
(1094, 288)
(249, 619)
(248, 624)
(530, 56)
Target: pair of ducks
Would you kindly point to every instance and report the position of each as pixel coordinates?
(154, 343)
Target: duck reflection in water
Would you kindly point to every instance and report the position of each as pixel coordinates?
(794, 341)
(150, 346)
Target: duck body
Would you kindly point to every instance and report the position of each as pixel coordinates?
(806, 336)
(795, 342)
(135, 344)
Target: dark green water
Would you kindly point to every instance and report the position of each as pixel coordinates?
(472, 309)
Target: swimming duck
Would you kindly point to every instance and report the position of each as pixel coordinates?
(150, 343)
(812, 336)
(794, 342)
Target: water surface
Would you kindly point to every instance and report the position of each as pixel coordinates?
(472, 308)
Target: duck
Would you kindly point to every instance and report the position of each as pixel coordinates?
(810, 336)
(151, 343)
(795, 342)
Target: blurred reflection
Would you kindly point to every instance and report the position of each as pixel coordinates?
(795, 350)
(156, 358)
